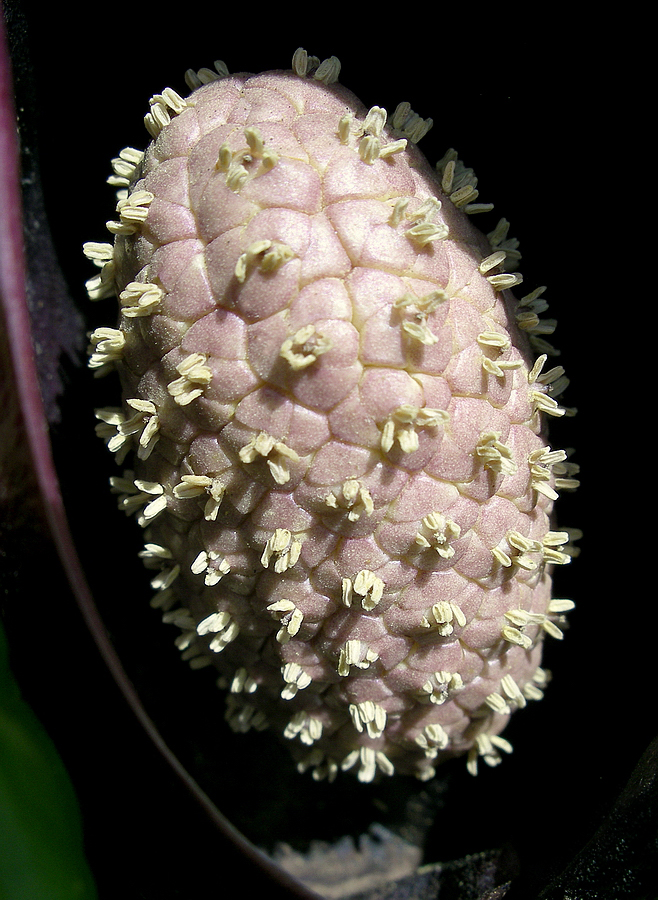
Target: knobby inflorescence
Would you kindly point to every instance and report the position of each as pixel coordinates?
(332, 422)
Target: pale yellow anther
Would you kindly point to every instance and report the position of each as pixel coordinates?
(501, 557)
(246, 259)
(494, 339)
(304, 347)
(353, 497)
(439, 686)
(305, 727)
(344, 128)
(222, 625)
(432, 739)
(204, 564)
(505, 280)
(546, 404)
(369, 761)
(497, 703)
(401, 426)
(417, 309)
(426, 233)
(195, 376)
(133, 211)
(369, 147)
(437, 531)
(375, 121)
(296, 679)
(284, 548)
(490, 262)
(512, 691)
(161, 108)
(495, 455)
(140, 299)
(275, 452)
(105, 348)
(98, 252)
(267, 255)
(236, 174)
(443, 617)
(398, 212)
(355, 653)
(392, 148)
(243, 683)
(369, 587)
(224, 158)
(369, 714)
(561, 606)
(124, 167)
(254, 140)
(289, 616)
(514, 636)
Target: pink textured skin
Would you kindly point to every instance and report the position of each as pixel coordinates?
(347, 266)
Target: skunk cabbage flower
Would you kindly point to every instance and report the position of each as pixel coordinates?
(574, 757)
(332, 427)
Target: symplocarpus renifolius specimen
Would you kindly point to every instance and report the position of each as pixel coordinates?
(332, 426)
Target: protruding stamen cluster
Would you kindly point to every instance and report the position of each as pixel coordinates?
(417, 310)
(161, 108)
(194, 378)
(276, 453)
(436, 532)
(494, 454)
(198, 485)
(283, 548)
(290, 617)
(304, 347)
(402, 424)
(353, 497)
(367, 585)
(119, 430)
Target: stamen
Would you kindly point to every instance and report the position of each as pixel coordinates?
(328, 70)
(133, 212)
(496, 456)
(106, 348)
(353, 497)
(432, 739)
(355, 653)
(401, 426)
(284, 547)
(289, 615)
(439, 686)
(203, 565)
(195, 376)
(222, 625)
(296, 680)
(444, 613)
(304, 726)
(369, 714)
(266, 446)
(304, 347)
(367, 585)
(125, 166)
(437, 532)
(140, 299)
